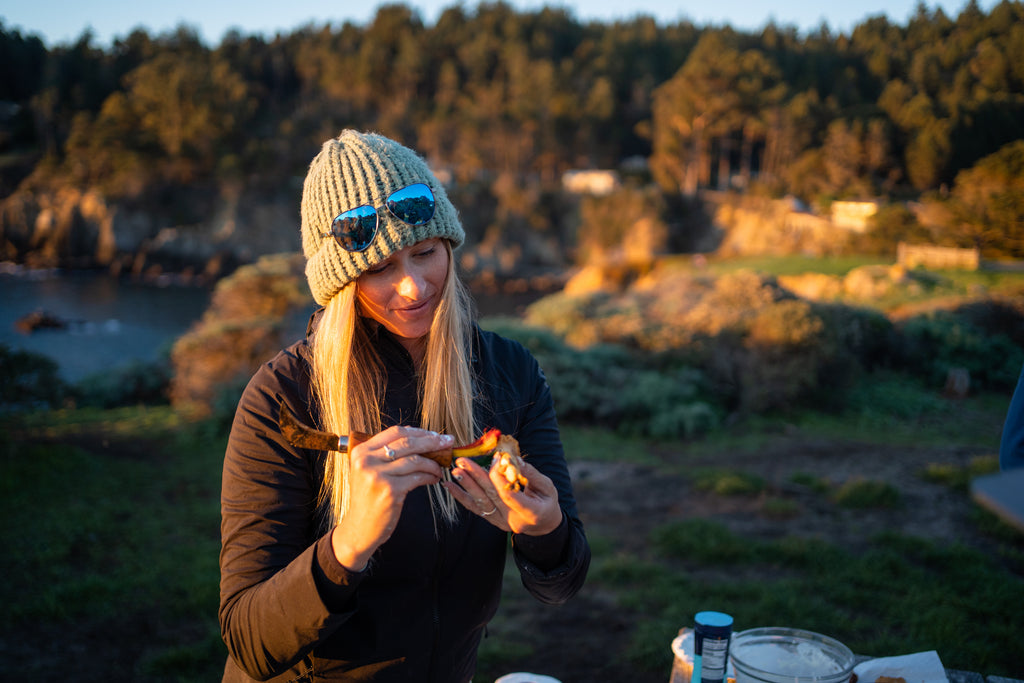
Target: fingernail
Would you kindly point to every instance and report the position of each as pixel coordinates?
(456, 475)
(447, 438)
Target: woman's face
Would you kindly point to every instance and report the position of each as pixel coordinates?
(403, 292)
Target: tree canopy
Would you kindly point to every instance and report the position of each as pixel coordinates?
(490, 92)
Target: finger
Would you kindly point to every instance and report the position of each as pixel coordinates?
(411, 440)
(473, 480)
(485, 509)
(469, 482)
(414, 464)
(464, 498)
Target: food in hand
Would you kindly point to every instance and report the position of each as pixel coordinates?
(485, 445)
(509, 463)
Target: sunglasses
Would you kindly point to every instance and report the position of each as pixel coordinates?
(356, 228)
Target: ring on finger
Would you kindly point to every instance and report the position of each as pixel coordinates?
(389, 452)
(495, 509)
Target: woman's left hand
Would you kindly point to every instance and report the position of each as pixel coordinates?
(534, 511)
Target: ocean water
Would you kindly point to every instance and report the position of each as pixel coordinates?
(110, 321)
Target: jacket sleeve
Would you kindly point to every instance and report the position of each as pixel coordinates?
(554, 567)
(271, 611)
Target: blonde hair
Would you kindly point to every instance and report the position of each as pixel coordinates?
(348, 383)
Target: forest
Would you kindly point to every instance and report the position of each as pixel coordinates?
(504, 102)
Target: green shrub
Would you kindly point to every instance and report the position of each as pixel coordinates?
(29, 381)
(865, 337)
(894, 223)
(759, 348)
(136, 383)
(937, 342)
(609, 385)
(685, 420)
(893, 395)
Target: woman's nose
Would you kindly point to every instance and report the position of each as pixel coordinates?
(410, 286)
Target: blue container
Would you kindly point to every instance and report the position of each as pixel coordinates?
(712, 632)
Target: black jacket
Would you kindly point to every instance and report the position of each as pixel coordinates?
(290, 612)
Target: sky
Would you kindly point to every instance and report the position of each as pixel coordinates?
(63, 21)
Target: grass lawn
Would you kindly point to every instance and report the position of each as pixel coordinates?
(109, 520)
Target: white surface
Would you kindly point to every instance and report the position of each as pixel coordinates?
(921, 667)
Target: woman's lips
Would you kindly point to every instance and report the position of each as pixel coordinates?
(414, 309)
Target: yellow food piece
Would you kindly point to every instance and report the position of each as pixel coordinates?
(509, 463)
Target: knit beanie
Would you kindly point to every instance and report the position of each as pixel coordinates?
(356, 169)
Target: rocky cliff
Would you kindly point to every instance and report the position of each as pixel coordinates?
(199, 234)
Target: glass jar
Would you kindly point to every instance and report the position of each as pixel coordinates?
(788, 655)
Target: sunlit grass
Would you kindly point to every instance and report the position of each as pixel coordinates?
(795, 264)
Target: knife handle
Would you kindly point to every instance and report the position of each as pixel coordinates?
(442, 457)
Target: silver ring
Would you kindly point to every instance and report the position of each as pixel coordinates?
(491, 512)
(390, 452)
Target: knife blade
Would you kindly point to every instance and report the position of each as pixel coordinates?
(303, 436)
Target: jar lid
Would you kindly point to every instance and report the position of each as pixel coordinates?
(718, 619)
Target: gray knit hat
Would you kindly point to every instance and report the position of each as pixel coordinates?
(356, 169)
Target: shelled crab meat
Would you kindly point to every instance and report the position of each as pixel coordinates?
(509, 463)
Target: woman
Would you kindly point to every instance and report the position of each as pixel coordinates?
(379, 564)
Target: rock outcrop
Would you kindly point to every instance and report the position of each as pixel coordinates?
(75, 228)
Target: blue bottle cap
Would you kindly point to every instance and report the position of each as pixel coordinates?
(718, 619)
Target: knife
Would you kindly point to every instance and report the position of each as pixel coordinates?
(303, 436)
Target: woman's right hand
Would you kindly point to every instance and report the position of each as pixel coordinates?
(383, 470)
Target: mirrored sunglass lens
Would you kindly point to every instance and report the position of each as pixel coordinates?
(356, 228)
(413, 205)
